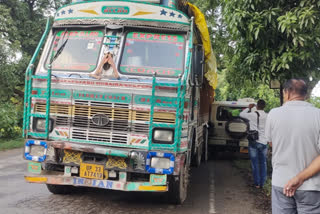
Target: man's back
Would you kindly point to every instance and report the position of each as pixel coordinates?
(253, 121)
(294, 130)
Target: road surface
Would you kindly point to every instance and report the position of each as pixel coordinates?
(216, 187)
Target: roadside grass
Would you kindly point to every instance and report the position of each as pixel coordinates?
(267, 186)
(6, 144)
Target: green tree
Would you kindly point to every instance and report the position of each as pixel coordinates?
(273, 39)
(21, 25)
(256, 90)
(231, 85)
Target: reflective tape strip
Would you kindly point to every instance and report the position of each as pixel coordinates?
(159, 171)
(160, 154)
(27, 149)
(36, 179)
(35, 158)
(36, 142)
(153, 188)
(171, 163)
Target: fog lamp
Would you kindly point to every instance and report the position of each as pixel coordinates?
(36, 150)
(161, 163)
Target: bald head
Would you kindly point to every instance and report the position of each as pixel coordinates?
(296, 87)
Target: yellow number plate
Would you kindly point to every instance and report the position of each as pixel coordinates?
(88, 170)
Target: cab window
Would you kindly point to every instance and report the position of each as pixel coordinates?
(79, 50)
(148, 53)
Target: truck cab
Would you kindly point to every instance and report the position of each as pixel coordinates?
(135, 124)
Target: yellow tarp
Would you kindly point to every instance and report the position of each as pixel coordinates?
(210, 60)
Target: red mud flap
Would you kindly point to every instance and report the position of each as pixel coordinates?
(104, 184)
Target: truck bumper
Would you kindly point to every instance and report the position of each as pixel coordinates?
(228, 142)
(104, 184)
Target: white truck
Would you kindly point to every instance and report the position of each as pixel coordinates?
(228, 131)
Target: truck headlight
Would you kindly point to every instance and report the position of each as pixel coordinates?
(160, 163)
(40, 124)
(163, 136)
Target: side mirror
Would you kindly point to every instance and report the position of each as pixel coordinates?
(197, 65)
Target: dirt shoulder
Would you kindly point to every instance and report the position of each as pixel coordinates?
(262, 196)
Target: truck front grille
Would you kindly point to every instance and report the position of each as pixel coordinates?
(123, 120)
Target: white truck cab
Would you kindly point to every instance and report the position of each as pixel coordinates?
(228, 131)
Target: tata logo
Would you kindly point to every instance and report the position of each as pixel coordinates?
(100, 120)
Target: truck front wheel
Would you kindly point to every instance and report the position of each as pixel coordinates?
(196, 151)
(60, 189)
(198, 155)
(57, 189)
(178, 186)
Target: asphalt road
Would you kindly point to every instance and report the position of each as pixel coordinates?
(216, 187)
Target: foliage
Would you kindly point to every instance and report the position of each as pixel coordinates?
(255, 90)
(273, 39)
(256, 41)
(217, 28)
(315, 101)
(10, 120)
(21, 25)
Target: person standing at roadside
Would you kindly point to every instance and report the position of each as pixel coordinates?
(293, 130)
(257, 148)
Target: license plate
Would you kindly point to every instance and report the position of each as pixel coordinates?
(88, 170)
(233, 143)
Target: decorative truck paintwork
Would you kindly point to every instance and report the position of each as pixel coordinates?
(138, 132)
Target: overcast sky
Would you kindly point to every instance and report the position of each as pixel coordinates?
(316, 90)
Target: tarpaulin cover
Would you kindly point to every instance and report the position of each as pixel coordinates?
(210, 60)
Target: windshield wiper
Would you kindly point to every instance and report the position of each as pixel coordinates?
(60, 49)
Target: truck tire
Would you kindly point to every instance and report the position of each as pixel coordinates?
(195, 151)
(205, 154)
(237, 128)
(60, 189)
(178, 186)
(57, 189)
(198, 156)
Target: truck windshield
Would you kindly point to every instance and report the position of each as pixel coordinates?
(146, 53)
(80, 52)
